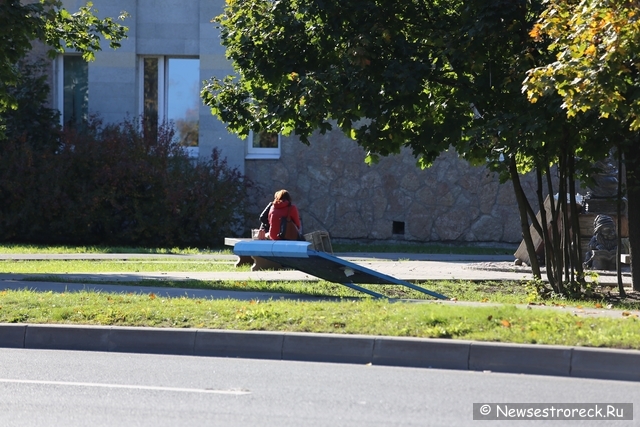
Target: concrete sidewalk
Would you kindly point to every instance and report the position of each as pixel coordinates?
(395, 351)
(404, 266)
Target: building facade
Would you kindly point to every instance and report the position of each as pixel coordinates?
(173, 47)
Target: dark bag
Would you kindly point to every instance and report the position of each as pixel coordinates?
(288, 229)
(264, 218)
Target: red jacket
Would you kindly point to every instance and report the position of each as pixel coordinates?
(278, 210)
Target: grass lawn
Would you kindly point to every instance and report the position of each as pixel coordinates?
(115, 266)
(419, 248)
(366, 316)
(363, 315)
(463, 290)
(43, 249)
(500, 292)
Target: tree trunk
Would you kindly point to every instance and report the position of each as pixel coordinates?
(576, 251)
(632, 165)
(524, 224)
(549, 260)
(556, 253)
(619, 225)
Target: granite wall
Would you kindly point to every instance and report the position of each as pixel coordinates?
(392, 200)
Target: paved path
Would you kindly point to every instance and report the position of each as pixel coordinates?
(411, 267)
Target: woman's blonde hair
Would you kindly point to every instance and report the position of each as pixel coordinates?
(281, 196)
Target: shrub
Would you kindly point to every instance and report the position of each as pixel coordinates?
(113, 184)
(29, 135)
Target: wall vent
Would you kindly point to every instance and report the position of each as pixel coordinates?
(397, 227)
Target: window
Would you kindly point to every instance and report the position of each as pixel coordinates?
(73, 90)
(171, 92)
(263, 145)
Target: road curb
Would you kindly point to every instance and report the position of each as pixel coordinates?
(421, 353)
(356, 349)
(605, 364)
(521, 358)
(246, 344)
(360, 349)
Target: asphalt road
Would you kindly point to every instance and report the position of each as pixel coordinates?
(67, 388)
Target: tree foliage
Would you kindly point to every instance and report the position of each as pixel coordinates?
(428, 75)
(422, 74)
(597, 68)
(32, 120)
(384, 72)
(48, 22)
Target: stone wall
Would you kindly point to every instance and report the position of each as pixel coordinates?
(337, 192)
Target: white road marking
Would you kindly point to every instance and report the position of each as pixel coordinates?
(125, 386)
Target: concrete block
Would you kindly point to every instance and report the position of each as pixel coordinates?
(113, 64)
(180, 11)
(116, 100)
(148, 340)
(249, 344)
(214, 64)
(606, 364)
(12, 335)
(210, 9)
(328, 348)
(67, 337)
(168, 46)
(272, 248)
(520, 358)
(421, 353)
(123, 78)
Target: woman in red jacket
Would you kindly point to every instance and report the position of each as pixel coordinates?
(282, 208)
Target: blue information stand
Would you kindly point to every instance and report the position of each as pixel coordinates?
(299, 256)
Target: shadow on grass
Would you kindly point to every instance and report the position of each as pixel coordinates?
(502, 292)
